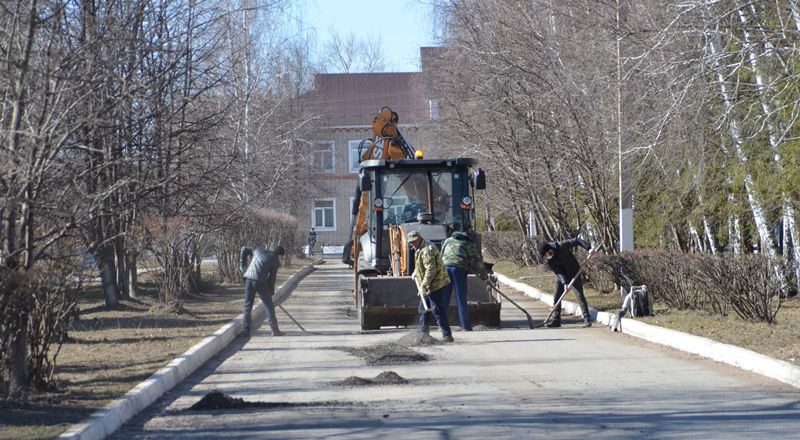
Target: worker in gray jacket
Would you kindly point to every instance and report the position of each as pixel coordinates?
(259, 277)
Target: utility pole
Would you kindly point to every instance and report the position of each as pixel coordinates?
(625, 192)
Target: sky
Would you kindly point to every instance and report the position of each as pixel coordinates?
(403, 26)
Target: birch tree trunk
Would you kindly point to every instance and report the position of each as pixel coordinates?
(714, 45)
(767, 108)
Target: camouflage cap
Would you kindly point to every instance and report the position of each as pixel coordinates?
(413, 235)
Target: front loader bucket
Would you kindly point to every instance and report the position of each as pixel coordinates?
(393, 302)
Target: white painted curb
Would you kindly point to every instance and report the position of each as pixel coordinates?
(105, 421)
(725, 353)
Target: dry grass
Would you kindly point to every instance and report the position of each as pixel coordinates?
(779, 341)
(111, 351)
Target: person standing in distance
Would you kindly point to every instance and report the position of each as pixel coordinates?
(559, 259)
(431, 279)
(312, 241)
(259, 277)
(462, 256)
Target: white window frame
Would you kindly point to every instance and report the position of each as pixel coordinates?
(332, 148)
(352, 154)
(314, 215)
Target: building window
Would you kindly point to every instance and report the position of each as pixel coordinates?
(354, 157)
(323, 215)
(322, 157)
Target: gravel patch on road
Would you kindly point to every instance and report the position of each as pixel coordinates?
(389, 353)
(384, 378)
(418, 339)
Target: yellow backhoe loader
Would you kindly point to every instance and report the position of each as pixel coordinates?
(399, 191)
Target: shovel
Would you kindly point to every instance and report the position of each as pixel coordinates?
(421, 294)
(527, 315)
(567, 288)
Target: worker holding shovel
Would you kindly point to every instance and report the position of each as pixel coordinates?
(559, 259)
(431, 278)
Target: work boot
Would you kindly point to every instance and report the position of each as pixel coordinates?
(245, 333)
(553, 324)
(448, 338)
(276, 332)
(587, 323)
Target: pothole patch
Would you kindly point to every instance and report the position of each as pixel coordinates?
(386, 354)
(384, 378)
(217, 400)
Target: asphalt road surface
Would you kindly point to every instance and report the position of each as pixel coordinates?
(508, 383)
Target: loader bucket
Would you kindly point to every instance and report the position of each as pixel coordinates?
(393, 302)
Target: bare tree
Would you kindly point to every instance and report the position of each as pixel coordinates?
(115, 116)
(352, 54)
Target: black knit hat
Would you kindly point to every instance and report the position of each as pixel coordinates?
(543, 248)
(280, 250)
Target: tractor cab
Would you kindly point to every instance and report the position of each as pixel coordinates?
(432, 196)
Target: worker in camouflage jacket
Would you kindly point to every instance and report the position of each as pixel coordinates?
(432, 280)
(462, 256)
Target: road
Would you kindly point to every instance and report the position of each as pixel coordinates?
(510, 383)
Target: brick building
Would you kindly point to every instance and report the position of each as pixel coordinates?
(348, 103)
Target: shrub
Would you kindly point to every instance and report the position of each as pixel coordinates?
(170, 242)
(752, 286)
(514, 246)
(39, 305)
(254, 227)
(600, 272)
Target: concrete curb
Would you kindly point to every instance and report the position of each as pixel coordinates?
(729, 354)
(105, 421)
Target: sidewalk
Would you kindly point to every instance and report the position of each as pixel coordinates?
(707, 348)
(105, 421)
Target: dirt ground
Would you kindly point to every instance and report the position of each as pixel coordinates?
(110, 351)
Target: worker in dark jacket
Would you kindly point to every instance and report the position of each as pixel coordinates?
(558, 258)
(462, 256)
(259, 277)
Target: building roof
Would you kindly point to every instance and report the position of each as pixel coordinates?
(353, 99)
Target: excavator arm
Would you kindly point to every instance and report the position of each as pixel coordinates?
(387, 143)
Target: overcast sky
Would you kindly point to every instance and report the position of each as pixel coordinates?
(403, 26)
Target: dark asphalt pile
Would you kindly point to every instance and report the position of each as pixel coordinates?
(216, 400)
(385, 378)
